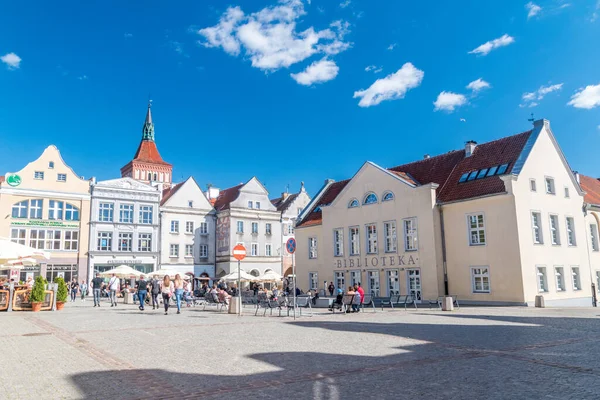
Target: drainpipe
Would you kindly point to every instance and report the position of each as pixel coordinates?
(586, 207)
(213, 232)
(445, 265)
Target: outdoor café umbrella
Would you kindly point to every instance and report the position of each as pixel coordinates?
(162, 272)
(233, 276)
(10, 251)
(20, 263)
(270, 276)
(122, 271)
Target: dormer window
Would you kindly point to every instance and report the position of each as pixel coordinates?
(371, 198)
(190, 203)
(51, 165)
(257, 205)
(353, 203)
(387, 196)
(250, 204)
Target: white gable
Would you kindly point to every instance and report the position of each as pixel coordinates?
(253, 191)
(189, 191)
(126, 183)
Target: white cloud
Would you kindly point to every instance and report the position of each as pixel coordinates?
(533, 9)
(588, 97)
(391, 46)
(11, 60)
(269, 37)
(345, 3)
(531, 99)
(478, 85)
(485, 48)
(374, 68)
(128, 35)
(599, 127)
(448, 101)
(595, 13)
(317, 72)
(82, 77)
(392, 87)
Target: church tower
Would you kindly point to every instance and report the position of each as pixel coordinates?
(147, 165)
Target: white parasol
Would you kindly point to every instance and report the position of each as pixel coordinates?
(122, 271)
(11, 251)
(171, 272)
(270, 276)
(233, 277)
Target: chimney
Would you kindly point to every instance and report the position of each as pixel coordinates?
(284, 195)
(212, 193)
(426, 156)
(577, 176)
(470, 148)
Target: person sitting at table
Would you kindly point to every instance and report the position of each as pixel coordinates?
(224, 296)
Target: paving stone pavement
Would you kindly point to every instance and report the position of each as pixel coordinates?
(84, 352)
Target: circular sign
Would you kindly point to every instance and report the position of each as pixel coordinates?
(13, 180)
(239, 252)
(290, 245)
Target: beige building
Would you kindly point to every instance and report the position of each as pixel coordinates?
(46, 205)
(496, 223)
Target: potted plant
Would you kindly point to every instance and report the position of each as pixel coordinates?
(61, 293)
(38, 293)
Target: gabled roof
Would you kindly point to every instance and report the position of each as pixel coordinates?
(282, 203)
(126, 183)
(315, 216)
(591, 186)
(168, 192)
(148, 152)
(226, 197)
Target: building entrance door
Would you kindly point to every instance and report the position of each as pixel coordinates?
(393, 282)
(373, 282)
(414, 283)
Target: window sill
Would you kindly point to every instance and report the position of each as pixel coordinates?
(268, 233)
(538, 244)
(254, 233)
(572, 245)
(476, 244)
(174, 233)
(189, 233)
(203, 257)
(204, 233)
(173, 256)
(478, 292)
(240, 232)
(188, 256)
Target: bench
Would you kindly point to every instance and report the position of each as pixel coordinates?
(264, 302)
(399, 300)
(301, 302)
(348, 300)
(369, 302)
(212, 299)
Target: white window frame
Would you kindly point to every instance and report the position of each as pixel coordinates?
(536, 215)
(56, 210)
(38, 175)
(189, 251)
(411, 230)
(53, 239)
(125, 237)
(254, 249)
(594, 237)
(250, 204)
(268, 229)
(173, 250)
(313, 281)
(203, 251)
(312, 248)
(37, 238)
(480, 273)
(549, 185)
(338, 242)
(108, 236)
(554, 229)
(268, 249)
(576, 277)
(189, 227)
(204, 228)
(36, 208)
(533, 185)
(106, 212)
(144, 242)
(255, 228)
(18, 235)
(354, 238)
(571, 235)
(71, 241)
(146, 214)
(477, 229)
(174, 226)
(20, 209)
(559, 271)
(240, 227)
(71, 212)
(390, 236)
(541, 278)
(567, 194)
(126, 212)
(61, 177)
(339, 277)
(372, 247)
(257, 205)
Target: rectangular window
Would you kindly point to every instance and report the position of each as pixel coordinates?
(254, 249)
(53, 240)
(340, 282)
(480, 277)
(338, 242)
(37, 238)
(255, 228)
(567, 192)
(146, 215)
(105, 241)
(313, 281)
(204, 228)
(476, 225)
(312, 247)
(35, 209)
(410, 234)
(55, 210)
(576, 278)
(190, 204)
(145, 242)
(371, 239)
(71, 240)
(554, 231)
(203, 251)
(594, 236)
(290, 229)
(38, 175)
(126, 213)
(373, 283)
(550, 186)
(268, 250)
(250, 204)
(61, 177)
(389, 236)
(257, 205)
(571, 240)
(174, 250)
(71, 212)
(105, 212)
(189, 227)
(19, 210)
(533, 185)
(51, 165)
(536, 225)
(18, 235)
(354, 232)
(542, 279)
(268, 229)
(560, 279)
(125, 241)
(189, 250)
(240, 227)
(174, 226)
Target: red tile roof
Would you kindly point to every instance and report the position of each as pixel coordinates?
(226, 197)
(148, 152)
(591, 187)
(168, 192)
(446, 170)
(282, 203)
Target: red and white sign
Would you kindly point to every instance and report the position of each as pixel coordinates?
(239, 252)
(14, 274)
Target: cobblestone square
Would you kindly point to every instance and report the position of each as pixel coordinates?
(493, 353)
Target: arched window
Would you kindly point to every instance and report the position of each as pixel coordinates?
(155, 176)
(387, 196)
(370, 198)
(71, 213)
(19, 210)
(149, 176)
(353, 203)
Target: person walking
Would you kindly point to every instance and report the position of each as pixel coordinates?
(178, 284)
(331, 289)
(83, 288)
(155, 291)
(74, 288)
(142, 291)
(167, 289)
(113, 286)
(96, 288)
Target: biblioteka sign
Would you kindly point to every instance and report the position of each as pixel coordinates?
(392, 260)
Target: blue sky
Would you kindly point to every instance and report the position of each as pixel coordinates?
(292, 91)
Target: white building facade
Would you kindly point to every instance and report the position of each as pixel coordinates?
(124, 225)
(187, 230)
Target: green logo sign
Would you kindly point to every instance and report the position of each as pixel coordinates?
(13, 180)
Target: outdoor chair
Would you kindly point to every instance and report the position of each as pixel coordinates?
(369, 302)
(393, 299)
(301, 302)
(408, 300)
(346, 303)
